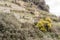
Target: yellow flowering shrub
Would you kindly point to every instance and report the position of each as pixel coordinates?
(44, 24)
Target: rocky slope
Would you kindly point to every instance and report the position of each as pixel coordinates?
(18, 18)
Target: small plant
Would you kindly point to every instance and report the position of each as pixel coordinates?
(44, 24)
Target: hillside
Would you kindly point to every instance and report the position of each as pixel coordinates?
(18, 18)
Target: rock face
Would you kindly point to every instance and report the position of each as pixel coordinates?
(18, 18)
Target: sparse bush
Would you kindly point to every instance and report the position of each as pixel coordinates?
(44, 24)
(40, 4)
